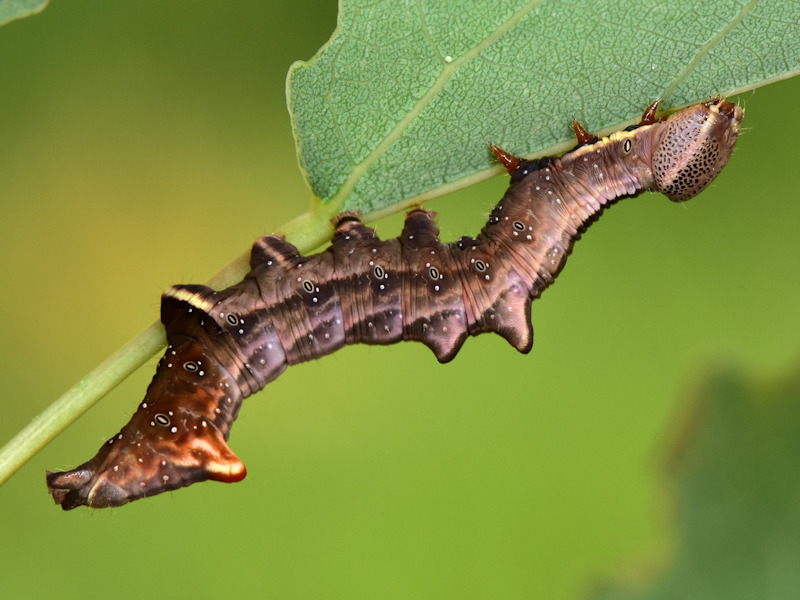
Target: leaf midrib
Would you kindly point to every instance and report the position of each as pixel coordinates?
(449, 69)
(706, 49)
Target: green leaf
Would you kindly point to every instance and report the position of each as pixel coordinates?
(399, 105)
(17, 9)
(737, 482)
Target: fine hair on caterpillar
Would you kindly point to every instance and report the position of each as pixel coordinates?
(225, 345)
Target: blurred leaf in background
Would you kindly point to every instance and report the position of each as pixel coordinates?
(736, 486)
(147, 144)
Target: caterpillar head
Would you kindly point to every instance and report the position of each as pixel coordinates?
(695, 145)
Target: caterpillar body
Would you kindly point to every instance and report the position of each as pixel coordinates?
(225, 345)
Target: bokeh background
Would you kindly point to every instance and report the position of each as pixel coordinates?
(148, 143)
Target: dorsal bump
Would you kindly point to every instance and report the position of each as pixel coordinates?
(649, 116)
(509, 161)
(581, 134)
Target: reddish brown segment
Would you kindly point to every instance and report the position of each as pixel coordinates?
(226, 345)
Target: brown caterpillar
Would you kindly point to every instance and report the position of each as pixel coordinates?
(226, 345)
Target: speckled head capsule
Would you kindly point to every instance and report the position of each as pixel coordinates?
(695, 144)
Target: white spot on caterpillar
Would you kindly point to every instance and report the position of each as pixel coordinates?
(174, 429)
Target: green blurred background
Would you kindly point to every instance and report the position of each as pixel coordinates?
(148, 143)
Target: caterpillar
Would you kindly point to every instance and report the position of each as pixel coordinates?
(225, 345)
